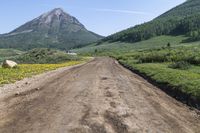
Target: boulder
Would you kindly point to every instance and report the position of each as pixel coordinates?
(9, 64)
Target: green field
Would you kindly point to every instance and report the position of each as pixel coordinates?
(121, 47)
(187, 81)
(178, 67)
(27, 70)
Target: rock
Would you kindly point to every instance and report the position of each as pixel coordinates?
(37, 89)
(9, 64)
(17, 94)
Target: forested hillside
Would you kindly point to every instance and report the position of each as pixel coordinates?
(181, 20)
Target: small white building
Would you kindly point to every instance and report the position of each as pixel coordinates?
(71, 53)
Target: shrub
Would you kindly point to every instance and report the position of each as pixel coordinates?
(152, 57)
(180, 65)
(193, 60)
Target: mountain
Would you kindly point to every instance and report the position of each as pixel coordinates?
(181, 20)
(54, 29)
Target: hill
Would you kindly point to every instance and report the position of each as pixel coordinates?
(43, 56)
(54, 29)
(125, 47)
(181, 20)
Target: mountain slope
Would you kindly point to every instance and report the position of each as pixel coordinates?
(181, 20)
(54, 29)
(189, 7)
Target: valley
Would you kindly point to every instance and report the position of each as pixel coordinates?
(56, 76)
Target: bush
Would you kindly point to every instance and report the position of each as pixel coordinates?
(190, 55)
(180, 65)
(193, 60)
(152, 57)
(44, 56)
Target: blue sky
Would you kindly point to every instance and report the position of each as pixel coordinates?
(100, 16)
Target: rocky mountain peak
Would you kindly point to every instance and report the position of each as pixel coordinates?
(58, 15)
(58, 10)
(54, 12)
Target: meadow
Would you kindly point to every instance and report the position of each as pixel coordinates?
(122, 47)
(28, 70)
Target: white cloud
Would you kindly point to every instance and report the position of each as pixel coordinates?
(122, 11)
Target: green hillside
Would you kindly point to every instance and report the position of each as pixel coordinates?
(124, 47)
(44, 56)
(37, 56)
(181, 20)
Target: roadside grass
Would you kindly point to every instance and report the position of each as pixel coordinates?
(178, 67)
(28, 70)
(187, 81)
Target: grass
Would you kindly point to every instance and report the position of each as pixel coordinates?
(121, 47)
(178, 67)
(28, 70)
(187, 81)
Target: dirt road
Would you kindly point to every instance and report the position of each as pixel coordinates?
(98, 97)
